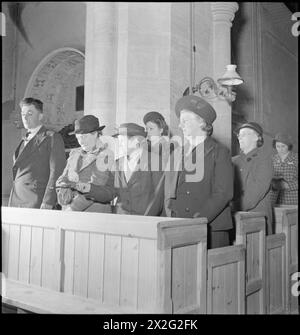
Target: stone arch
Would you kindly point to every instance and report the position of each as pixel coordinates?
(56, 81)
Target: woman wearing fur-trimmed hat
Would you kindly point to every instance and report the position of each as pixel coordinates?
(86, 170)
(285, 164)
(253, 174)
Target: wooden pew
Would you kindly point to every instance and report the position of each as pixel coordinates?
(141, 264)
(226, 280)
(275, 274)
(286, 221)
(251, 232)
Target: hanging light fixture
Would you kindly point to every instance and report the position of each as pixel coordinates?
(209, 89)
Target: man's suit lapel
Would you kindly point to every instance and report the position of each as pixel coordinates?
(142, 165)
(17, 152)
(32, 145)
(120, 180)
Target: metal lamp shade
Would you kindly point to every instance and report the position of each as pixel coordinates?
(230, 77)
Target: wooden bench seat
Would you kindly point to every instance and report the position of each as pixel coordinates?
(44, 301)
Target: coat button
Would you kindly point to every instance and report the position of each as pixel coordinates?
(188, 192)
(248, 159)
(187, 209)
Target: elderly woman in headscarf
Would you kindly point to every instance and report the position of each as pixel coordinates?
(285, 164)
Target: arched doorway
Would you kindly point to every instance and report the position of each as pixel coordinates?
(59, 81)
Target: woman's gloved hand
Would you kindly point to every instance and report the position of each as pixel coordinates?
(64, 196)
(83, 187)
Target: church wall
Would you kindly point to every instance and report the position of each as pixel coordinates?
(266, 53)
(181, 50)
(49, 26)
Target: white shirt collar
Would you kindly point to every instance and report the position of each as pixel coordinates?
(194, 141)
(130, 162)
(34, 131)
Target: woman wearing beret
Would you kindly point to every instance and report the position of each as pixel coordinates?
(158, 136)
(253, 174)
(285, 164)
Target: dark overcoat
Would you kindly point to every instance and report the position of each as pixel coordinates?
(36, 169)
(252, 184)
(209, 194)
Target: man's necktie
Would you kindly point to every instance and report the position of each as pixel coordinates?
(24, 142)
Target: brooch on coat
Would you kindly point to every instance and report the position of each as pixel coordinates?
(73, 176)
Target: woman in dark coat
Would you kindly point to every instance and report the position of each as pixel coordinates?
(253, 174)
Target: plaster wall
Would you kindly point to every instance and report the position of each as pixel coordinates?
(181, 50)
(49, 26)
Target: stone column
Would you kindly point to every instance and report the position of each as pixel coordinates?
(223, 15)
(100, 62)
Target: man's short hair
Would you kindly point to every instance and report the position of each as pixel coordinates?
(32, 101)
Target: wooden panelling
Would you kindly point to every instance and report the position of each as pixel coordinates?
(112, 270)
(171, 272)
(286, 221)
(81, 263)
(36, 256)
(226, 280)
(13, 252)
(25, 254)
(251, 231)
(5, 247)
(184, 277)
(49, 271)
(129, 272)
(68, 263)
(147, 275)
(96, 261)
(275, 264)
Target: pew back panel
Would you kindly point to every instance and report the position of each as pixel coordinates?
(226, 280)
(275, 264)
(286, 221)
(28, 254)
(251, 231)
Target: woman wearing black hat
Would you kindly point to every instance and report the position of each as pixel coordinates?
(285, 163)
(85, 170)
(158, 136)
(253, 174)
(200, 182)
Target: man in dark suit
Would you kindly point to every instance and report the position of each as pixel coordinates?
(200, 183)
(37, 162)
